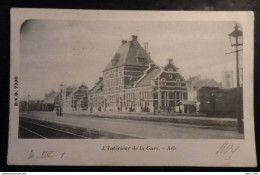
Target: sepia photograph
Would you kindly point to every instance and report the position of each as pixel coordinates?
(131, 88)
(102, 79)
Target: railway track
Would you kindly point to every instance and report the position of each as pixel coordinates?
(28, 129)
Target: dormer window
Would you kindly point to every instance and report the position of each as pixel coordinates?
(170, 76)
(163, 79)
(140, 60)
(115, 59)
(177, 80)
(170, 69)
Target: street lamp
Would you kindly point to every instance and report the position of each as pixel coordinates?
(28, 106)
(91, 103)
(61, 88)
(236, 39)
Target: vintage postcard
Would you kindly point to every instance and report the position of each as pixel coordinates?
(131, 88)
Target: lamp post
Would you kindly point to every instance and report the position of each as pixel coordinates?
(91, 105)
(61, 88)
(28, 106)
(236, 40)
(159, 94)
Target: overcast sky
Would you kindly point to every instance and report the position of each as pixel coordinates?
(71, 52)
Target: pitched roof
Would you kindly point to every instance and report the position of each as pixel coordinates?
(193, 79)
(127, 55)
(50, 98)
(100, 81)
(74, 90)
(146, 81)
(69, 90)
(206, 83)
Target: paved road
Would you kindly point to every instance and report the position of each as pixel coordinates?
(137, 129)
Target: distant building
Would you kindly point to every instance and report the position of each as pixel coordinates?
(227, 79)
(49, 101)
(96, 96)
(73, 98)
(132, 82)
(192, 92)
(196, 83)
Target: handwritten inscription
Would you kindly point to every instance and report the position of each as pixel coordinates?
(46, 155)
(227, 149)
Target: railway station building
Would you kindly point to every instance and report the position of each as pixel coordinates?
(133, 82)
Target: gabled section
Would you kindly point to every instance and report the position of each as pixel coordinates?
(170, 73)
(206, 83)
(80, 90)
(171, 67)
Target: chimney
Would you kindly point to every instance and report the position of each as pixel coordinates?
(170, 60)
(124, 41)
(134, 37)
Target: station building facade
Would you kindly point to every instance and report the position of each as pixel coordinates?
(133, 82)
(73, 98)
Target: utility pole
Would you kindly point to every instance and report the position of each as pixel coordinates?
(237, 59)
(236, 39)
(159, 94)
(28, 106)
(61, 89)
